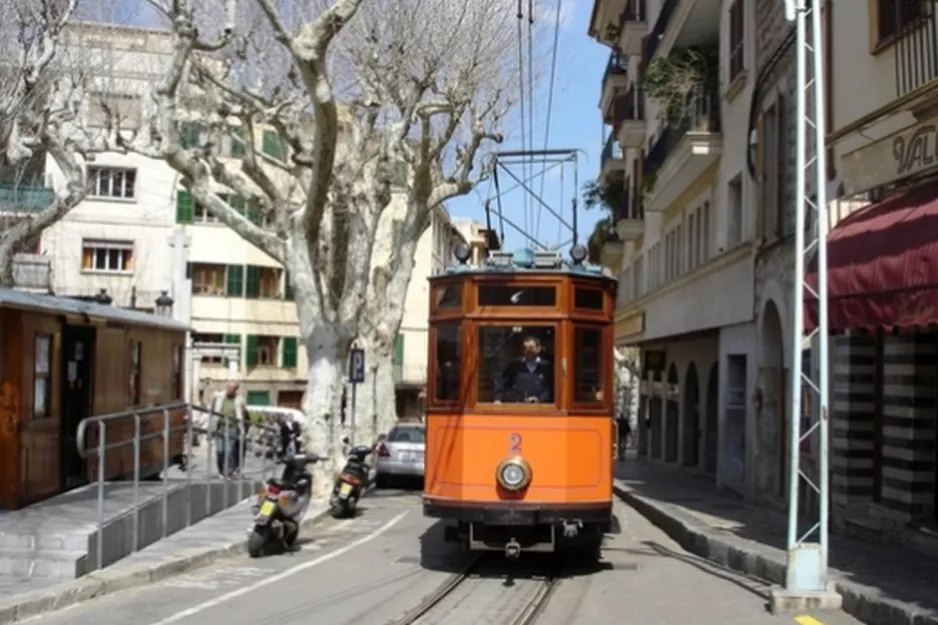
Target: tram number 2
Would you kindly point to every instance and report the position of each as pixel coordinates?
(515, 443)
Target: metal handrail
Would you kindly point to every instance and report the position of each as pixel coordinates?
(102, 447)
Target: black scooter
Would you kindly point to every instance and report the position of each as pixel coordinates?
(351, 482)
(280, 507)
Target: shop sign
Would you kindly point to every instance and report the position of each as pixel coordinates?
(900, 155)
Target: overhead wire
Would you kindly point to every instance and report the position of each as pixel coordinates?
(531, 109)
(521, 85)
(550, 101)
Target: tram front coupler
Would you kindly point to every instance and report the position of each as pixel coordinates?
(512, 549)
(571, 528)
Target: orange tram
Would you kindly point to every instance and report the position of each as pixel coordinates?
(520, 429)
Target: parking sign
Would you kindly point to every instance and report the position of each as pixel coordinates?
(356, 366)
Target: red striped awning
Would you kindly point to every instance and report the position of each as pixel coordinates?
(882, 265)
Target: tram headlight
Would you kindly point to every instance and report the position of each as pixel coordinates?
(513, 474)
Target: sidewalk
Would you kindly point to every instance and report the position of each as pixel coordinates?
(880, 585)
(219, 536)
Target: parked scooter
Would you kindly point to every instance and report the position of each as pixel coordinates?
(282, 504)
(351, 482)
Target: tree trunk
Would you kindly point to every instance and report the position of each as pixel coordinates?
(377, 397)
(322, 405)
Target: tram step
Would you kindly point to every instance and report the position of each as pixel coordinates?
(42, 563)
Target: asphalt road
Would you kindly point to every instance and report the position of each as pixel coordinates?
(370, 570)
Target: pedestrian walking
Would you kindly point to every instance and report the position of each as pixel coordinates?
(624, 430)
(230, 429)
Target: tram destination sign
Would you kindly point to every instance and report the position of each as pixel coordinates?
(903, 154)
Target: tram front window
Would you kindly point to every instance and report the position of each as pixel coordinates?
(516, 365)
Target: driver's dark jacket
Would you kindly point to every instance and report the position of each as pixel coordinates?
(518, 382)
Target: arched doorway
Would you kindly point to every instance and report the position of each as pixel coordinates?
(655, 409)
(672, 416)
(690, 429)
(712, 428)
(772, 419)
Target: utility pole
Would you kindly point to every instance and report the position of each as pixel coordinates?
(806, 580)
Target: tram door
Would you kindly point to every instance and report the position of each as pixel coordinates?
(78, 362)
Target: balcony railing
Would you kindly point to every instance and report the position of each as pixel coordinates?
(702, 114)
(634, 11)
(630, 206)
(617, 65)
(916, 47)
(630, 107)
(24, 199)
(612, 149)
(661, 25)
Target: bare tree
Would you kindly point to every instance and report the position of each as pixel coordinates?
(37, 104)
(368, 98)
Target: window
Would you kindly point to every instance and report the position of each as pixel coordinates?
(201, 215)
(108, 256)
(261, 350)
(248, 208)
(114, 110)
(397, 359)
(178, 371)
(737, 38)
(589, 299)
(135, 385)
(288, 352)
(234, 281)
(42, 384)
(287, 286)
(190, 134)
(516, 364)
(448, 350)
(407, 434)
(208, 279)
(892, 16)
(734, 213)
(769, 178)
(449, 296)
(705, 238)
(517, 295)
(237, 147)
(112, 182)
(262, 282)
(588, 372)
(272, 145)
(258, 398)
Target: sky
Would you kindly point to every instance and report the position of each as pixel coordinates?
(576, 123)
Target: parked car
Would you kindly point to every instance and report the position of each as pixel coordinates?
(401, 453)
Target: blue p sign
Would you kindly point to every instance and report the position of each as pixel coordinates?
(356, 366)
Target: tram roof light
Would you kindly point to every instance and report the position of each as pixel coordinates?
(463, 253)
(579, 253)
(523, 257)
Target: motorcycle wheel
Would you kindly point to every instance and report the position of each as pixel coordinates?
(256, 542)
(338, 510)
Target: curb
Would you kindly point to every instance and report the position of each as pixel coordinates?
(107, 582)
(858, 601)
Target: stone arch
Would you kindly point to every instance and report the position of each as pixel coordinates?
(772, 428)
(672, 414)
(690, 420)
(712, 420)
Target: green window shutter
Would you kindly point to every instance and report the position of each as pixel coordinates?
(287, 286)
(250, 352)
(232, 339)
(190, 134)
(238, 149)
(185, 207)
(288, 347)
(252, 285)
(258, 398)
(398, 358)
(238, 203)
(188, 271)
(235, 281)
(271, 145)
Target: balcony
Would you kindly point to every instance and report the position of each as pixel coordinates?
(630, 215)
(633, 26)
(32, 272)
(915, 28)
(683, 152)
(629, 118)
(683, 24)
(25, 199)
(615, 80)
(613, 158)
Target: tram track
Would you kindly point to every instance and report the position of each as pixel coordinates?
(518, 600)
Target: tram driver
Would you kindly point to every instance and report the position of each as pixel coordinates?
(528, 378)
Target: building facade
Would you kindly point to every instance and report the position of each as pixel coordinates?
(686, 222)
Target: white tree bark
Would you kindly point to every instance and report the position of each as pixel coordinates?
(425, 85)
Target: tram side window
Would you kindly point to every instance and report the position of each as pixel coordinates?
(588, 372)
(516, 364)
(448, 353)
(517, 295)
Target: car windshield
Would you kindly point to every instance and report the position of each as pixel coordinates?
(407, 435)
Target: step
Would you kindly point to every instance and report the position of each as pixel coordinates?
(30, 541)
(42, 563)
